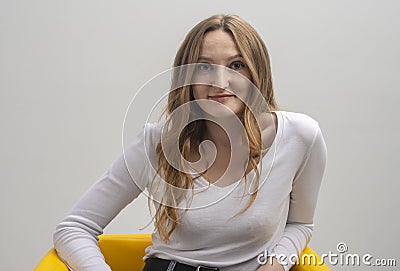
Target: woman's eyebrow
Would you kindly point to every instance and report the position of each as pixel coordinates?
(210, 59)
(235, 56)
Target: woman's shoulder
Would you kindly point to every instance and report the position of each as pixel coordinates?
(152, 131)
(153, 127)
(297, 118)
(300, 125)
(145, 140)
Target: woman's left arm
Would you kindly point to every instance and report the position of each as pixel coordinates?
(303, 200)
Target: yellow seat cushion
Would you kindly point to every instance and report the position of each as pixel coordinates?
(124, 252)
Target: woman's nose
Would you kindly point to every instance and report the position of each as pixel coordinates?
(221, 78)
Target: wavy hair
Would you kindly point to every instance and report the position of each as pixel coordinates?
(256, 57)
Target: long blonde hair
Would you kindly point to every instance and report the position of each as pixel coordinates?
(256, 57)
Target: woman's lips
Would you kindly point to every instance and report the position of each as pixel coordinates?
(221, 98)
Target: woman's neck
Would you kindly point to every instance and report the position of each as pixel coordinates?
(224, 133)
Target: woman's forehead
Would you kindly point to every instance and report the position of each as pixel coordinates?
(218, 43)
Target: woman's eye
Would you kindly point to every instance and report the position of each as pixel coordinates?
(237, 65)
(204, 67)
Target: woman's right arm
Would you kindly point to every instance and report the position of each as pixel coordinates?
(75, 238)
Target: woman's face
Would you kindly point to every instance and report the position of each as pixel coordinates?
(217, 88)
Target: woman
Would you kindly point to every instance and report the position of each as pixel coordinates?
(233, 180)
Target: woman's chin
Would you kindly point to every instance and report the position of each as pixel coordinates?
(218, 110)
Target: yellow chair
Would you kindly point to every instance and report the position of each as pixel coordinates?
(124, 252)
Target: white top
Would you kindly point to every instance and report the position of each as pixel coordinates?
(280, 220)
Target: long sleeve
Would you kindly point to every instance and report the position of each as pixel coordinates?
(75, 238)
(303, 199)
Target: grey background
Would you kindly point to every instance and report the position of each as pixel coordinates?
(68, 70)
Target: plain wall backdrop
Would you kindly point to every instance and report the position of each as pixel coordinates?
(68, 70)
